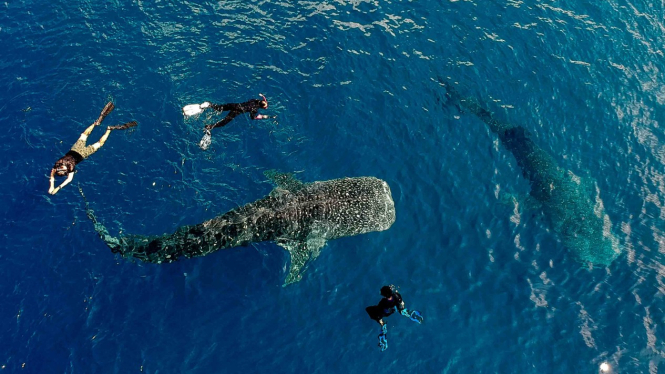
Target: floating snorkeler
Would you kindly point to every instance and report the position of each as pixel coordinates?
(235, 109)
(391, 302)
(66, 166)
(571, 204)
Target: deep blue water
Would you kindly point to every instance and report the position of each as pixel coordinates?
(355, 86)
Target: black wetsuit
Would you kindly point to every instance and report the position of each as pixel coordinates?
(251, 106)
(386, 307)
(69, 160)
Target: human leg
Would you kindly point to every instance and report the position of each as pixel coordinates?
(229, 117)
(232, 107)
(86, 132)
(102, 140)
(87, 151)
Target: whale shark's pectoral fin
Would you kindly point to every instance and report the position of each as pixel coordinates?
(520, 202)
(301, 254)
(285, 182)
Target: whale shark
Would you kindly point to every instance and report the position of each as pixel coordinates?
(300, 217)
(571, 204)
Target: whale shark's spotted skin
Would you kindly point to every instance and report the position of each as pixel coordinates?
(299, 217)
(571, 204)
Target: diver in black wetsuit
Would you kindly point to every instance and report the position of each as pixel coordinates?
(252, 107)
(391, 302)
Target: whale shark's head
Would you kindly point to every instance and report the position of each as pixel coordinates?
(579, 219)
(590, 240)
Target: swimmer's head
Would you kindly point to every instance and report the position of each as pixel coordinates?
(264, 102)
(387, 291)
(60, 168)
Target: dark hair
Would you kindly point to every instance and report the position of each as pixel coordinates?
(68, 162)
(387, 291)
(57, 167)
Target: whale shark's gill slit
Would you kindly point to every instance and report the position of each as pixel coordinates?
(301, 220)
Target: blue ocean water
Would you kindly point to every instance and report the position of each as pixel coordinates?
(355, 87)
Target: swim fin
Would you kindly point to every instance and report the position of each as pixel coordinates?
(194, 109)
(383, 339)
(416, 317)
(108, 108)
(124, 127)
(206, 140)
(105, 112)
(413, 315)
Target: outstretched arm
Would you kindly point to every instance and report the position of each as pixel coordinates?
(52, 181)
(54, 191)
(254, 114)
(400, 303)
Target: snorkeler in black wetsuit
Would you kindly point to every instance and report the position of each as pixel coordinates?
(66, 165)
(252, 107)
(391, 302)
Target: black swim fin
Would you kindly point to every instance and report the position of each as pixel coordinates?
(124, 127)
(105, 112)
(108, 109)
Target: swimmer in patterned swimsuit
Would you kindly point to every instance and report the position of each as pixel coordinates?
(66, 166)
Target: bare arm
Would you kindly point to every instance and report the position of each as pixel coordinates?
(70, 176)
(52, 180)
(254, 115)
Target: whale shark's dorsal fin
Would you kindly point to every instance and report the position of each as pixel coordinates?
(284, 182)
(301, 254)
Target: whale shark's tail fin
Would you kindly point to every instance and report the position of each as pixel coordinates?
(451, 92)
(103, 233)
(452, 95)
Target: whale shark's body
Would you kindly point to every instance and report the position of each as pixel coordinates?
(299, 217)
(571, 204)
